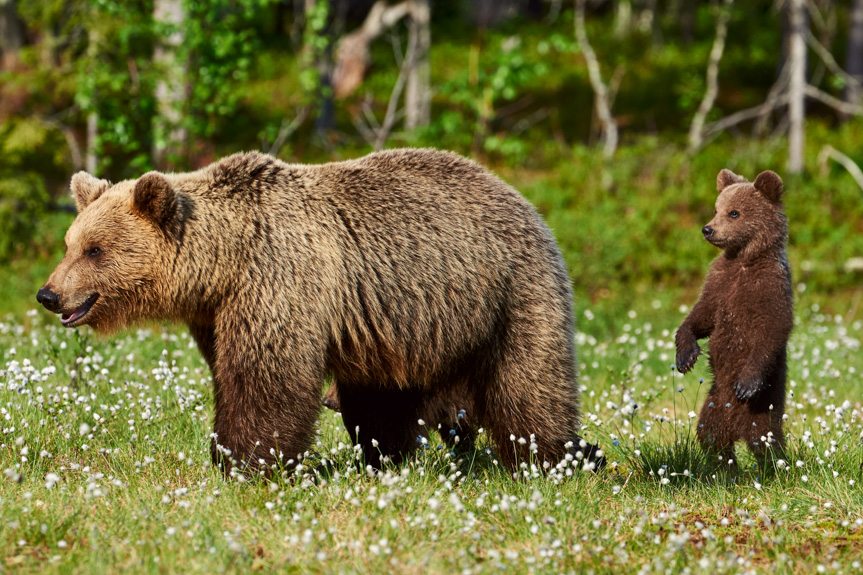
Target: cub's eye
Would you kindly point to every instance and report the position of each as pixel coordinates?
(93, 252)
(714, 211)
(734, 214)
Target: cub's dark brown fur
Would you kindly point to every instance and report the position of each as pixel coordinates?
(746, 309)
(412, 277)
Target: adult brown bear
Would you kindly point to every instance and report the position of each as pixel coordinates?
(416, 279)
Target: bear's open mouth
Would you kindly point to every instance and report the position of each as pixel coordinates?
(68, 319)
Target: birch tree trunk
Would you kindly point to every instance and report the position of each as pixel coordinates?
(797, 85)
(169, 137)
(600, 91)
(91, 157)
(418, 93)
(854, 56)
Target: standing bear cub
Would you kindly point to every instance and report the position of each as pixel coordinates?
(423, 285)
(746, 309)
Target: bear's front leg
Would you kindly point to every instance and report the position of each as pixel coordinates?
(268, 398)
(697, 325)
(688, 350)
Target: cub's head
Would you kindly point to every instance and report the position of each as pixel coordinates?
(748, 216)
(115, 252)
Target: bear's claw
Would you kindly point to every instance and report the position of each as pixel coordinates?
(686, 359)
(745, 389)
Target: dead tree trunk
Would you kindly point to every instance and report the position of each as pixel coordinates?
(169, 137)
(600, 91)
(854, 56)
(352, 55)
(11, 34)
(418, 92)
(91, 157)
(797, 86)
(696, 130)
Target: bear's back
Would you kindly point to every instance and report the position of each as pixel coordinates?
(438, 254)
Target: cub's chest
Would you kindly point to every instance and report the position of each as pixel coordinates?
(735, 293)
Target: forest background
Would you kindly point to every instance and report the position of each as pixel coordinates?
(614, 123)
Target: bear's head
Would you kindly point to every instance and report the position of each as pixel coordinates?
(748, 216)
(115, 251)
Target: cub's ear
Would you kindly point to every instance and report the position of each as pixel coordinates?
(86, 189)
(726, 178)
(770, 185)
(154, 199)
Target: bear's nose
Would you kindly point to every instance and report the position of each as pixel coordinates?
(707, 231)
(49, 299)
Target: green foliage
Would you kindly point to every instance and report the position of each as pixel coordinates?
(515, 96)
(637, 220)
(496, 75)
(316, 43)
(116, 81)
(25, 200)
(218, 45)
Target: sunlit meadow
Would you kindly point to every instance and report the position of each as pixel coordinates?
(106, 467)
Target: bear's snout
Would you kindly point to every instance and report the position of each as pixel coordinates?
(707, 231)
(49, 299)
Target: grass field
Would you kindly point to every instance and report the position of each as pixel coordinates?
(105, 452)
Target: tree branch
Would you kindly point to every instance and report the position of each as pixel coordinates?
(835, 103)
(829, 152)
(773, 96)
(828, 59)
(286, 130)
(696, 130)
(744, 115)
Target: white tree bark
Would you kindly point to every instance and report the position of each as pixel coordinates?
(169, 137)
(91, 158)
(696, 130)
(797, 86)
(418, 92)
(600, 91)
(854, 55)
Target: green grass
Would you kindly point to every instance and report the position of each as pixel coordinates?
(105, 449)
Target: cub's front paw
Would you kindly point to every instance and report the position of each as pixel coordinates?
(686, 358)
(746, 388)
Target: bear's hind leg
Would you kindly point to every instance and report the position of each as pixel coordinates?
(761, 424)
(715, 432)
(384, 422)
(531, 397)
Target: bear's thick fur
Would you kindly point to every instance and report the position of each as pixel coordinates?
(746, 308)
(412, 277)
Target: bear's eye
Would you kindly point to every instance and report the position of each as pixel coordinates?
(734, 214)
(93, 252)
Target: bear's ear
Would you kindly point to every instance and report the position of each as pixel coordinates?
(726, 178)
(154, 199)
(770, 185)
(86, 189)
